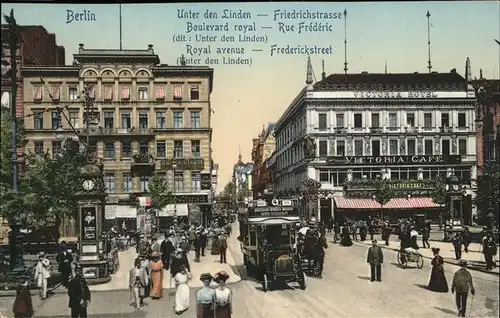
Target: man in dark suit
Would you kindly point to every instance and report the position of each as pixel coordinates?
(64, 260)
(375, 258)
(462, 281)
(79, 294)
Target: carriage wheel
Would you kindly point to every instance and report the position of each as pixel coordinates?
(265, 283)
(402, 259)
(302, 281)
(420, 261)
(399, 258)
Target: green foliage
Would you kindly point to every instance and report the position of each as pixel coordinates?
(482, 200)
(50, 183)
(159, 193)
(438, 192)
(383, 191)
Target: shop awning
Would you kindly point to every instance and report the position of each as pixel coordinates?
(396, 203)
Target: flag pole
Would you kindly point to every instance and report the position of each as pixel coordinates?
(120, 7)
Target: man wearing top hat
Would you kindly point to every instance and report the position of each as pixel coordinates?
(462, 281)
(64, 260)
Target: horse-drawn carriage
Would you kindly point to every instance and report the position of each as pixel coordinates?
(269, 243)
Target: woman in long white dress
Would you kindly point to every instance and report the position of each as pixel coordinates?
(182, 293)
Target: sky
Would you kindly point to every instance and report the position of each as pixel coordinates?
(247, 97)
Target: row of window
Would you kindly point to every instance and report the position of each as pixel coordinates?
(395, 147)
(338, 177)
(393, 120)
(374, 148)
(126, 149)
(109, 119)
(107, 92)
(127, 184)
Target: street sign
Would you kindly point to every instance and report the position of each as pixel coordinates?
(286, 202)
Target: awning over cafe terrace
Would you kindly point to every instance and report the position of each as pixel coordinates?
(396, 203)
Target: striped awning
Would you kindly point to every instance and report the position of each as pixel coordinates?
(396, 203)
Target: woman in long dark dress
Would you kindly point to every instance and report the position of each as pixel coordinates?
(438, 281)
(23, 307)
(346, 239)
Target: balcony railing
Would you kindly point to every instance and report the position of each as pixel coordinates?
(183, 164)
(446, 129)
(122, 131)
(341, 130)
(375, 130)
(143, 159)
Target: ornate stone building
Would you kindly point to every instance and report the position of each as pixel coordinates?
(263, 147)
(404, 127)
(153, 119)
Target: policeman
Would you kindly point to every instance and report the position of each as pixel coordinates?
(462, 281)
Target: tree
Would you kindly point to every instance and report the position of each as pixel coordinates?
(159, 193)
(482, 200)
(9, 203)
(50, 183)
(383, 193)
(438, 192)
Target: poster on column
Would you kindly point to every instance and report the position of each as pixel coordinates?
(89, 223)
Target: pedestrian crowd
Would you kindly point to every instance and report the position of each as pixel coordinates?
(171, 257)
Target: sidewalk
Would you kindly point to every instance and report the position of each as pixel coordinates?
(474, 258)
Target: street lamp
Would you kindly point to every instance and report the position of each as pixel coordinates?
(15, 235)
(174, 166)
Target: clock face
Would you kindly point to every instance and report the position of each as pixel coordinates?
(455, 187)
(88, 185)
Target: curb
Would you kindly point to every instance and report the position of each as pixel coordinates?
(445, 260)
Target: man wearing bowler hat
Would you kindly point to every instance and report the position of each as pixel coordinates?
(375, 258)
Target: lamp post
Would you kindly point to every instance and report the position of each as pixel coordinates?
(15, 236)
(174, 166)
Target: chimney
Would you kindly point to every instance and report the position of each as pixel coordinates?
(481, 73)
(323, 74)
(150, 47)
(453, 71)
(80, 48)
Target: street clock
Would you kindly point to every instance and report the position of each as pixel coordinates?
(88, 185)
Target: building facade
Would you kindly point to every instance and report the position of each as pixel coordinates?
(35, 46)
(243, 179)
(401, 127)
(263, 147)
(494, 86)
(154, 119)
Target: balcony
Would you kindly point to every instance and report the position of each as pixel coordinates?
(181, 129)
(195, 164)
(122, 131)
(376, 130)
(411, 130)
(341, 130)
(143, 161)
(445, 129)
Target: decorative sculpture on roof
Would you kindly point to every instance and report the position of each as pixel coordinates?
(183, 60)
(309, 147)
